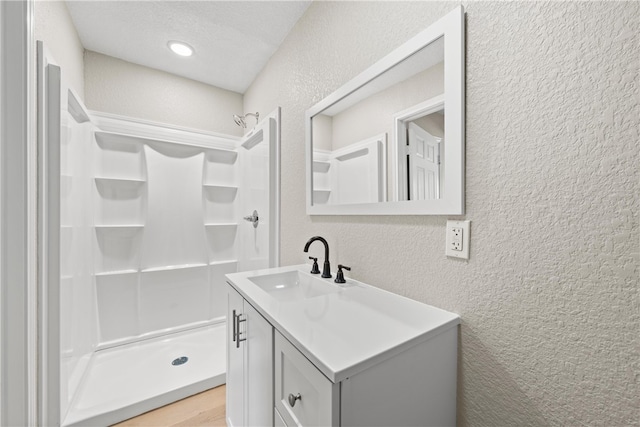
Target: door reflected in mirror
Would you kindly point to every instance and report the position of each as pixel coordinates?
(420, 151)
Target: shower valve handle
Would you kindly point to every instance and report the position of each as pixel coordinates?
(252, 218)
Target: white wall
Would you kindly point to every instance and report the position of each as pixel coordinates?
(53, 25)
(549, 298)
(322, 128)
(119, 87)
(432, 123)
(375, 115)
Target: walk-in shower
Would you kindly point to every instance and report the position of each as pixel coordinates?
(142, 222)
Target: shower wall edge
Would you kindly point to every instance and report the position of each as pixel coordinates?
(109, 122)
(122, 414)
(160, 333)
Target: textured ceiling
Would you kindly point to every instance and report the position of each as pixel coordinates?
(232, 39)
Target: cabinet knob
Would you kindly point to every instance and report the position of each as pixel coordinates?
(292, 399)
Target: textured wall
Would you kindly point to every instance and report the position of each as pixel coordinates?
(120, 87)
(53, 25)
(549, 299)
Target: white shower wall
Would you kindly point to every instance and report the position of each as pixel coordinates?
(78, 317)
(158, 266)
(149, 227)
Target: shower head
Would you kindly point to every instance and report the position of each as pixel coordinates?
(240, 119)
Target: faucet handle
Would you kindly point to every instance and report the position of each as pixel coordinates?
(340, 274)
(314, 268)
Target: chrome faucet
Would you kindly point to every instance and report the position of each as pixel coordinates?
(326, 268)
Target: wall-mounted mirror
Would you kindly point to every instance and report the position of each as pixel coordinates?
(391, 141)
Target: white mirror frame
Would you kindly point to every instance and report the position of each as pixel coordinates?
(451, 202)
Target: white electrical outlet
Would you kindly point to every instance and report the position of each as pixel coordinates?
(457, 240)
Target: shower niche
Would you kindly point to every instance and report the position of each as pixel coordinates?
(150, 221)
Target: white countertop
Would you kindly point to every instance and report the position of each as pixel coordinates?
(345, 332)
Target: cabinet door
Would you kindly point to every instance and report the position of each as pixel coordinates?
(249, 365)
(303, 396)
(235, 362)
(277, 419)
(258, 370)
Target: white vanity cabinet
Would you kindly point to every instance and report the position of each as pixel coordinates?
(338, 355)
(414, 388)
(249, 365)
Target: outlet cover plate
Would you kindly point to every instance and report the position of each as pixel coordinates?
(457, 246)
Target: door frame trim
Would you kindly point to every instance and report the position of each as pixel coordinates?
(399, 143)
(18, 217)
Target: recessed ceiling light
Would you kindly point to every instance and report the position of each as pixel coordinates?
(180, 48)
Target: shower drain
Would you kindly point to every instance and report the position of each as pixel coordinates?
(180, 361)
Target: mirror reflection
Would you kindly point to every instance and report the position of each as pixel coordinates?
(384, 141)
(420, 146)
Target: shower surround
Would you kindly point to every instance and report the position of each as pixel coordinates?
(148, 229)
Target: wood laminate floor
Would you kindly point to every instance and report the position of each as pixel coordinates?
(203, 409)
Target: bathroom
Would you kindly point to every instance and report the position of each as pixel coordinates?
(548, 299)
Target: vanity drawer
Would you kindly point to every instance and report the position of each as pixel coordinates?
(318, 402)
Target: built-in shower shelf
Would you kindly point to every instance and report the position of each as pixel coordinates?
(119, 138)
(120, 181)
(321, 196)
(221, 187)
(227, 261)
(110, 232)
(320, 166)
(220, 193)
(222, 224)
(173, 267)
(222, 156)
(119, 227)
(116, 272)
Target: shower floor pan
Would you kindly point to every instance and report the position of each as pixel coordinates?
(126, 381)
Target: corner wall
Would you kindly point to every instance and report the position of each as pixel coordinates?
(120, 87)
(549, 299)
(54, 26)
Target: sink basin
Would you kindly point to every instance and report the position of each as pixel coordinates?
(293, 285)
